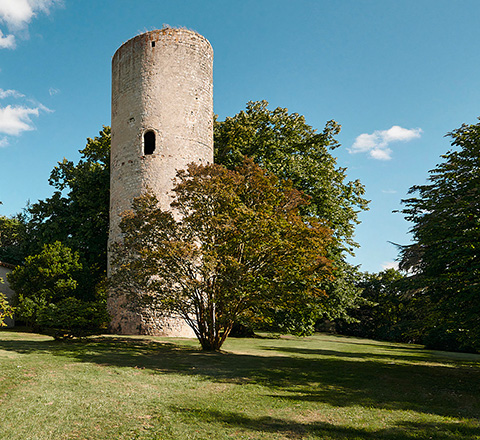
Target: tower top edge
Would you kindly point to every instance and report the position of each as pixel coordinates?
(166, 33)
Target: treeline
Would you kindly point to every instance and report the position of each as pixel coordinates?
(59, 246)
(72, 225)
(393, 310)
(437, 300)
(60, 243)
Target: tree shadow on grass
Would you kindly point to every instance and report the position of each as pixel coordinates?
(412, 355)
(356, 340)
(406, 347)
(293, 429)
(446, 390)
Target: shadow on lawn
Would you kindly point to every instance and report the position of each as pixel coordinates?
(403, 355)
(292, 429)
(447, 390)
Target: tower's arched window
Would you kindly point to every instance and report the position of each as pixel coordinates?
(149, 142)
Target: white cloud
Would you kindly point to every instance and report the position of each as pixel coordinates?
(16, 117)
(389, 191)
(364, 142)
(397, 133)
(381, 153)
(15, 120)
(7, 41)
(376, 144)
(389, 265)
(53, 91)
(13, 93)
(40, 106)
(17, 14)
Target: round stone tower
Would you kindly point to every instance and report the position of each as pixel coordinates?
(162, 120)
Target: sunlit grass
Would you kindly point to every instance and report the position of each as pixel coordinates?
(321, 387)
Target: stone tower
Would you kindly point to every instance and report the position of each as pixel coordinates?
(162, 120)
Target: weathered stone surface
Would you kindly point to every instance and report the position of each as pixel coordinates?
(161, 82)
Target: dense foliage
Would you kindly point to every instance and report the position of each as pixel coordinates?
(13, 240)
(44, 278)
(283, 144)
(60, 245)
(77, 214)
(240, 248)
(6, 310)
(445, 257)
(388, 311)
(72, 317)
(48, 282)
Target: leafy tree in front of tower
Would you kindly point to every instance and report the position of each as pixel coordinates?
(282, 143)
(236, 246)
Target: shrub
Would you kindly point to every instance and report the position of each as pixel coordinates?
(72, 317)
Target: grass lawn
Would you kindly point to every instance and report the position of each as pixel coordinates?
(321, 387)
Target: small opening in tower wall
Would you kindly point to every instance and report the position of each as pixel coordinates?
(153, 43)
(149, 142)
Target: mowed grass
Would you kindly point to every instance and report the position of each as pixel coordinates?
(320, 387)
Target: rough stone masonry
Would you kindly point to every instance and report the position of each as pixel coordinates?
(162, 120)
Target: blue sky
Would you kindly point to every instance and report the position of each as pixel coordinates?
(397, 75)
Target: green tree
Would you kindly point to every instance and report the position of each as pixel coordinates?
(77, 214)
(45, 278)
(6, 310)
(47, 289)
(445, 256)
(286, 146)
(389, 311)
(239, 248)
(71, 317)
(12, 239)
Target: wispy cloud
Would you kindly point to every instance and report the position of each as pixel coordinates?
(16, 116)
(377, 143)
(53, 91)
(17, 14)
(10, 93)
